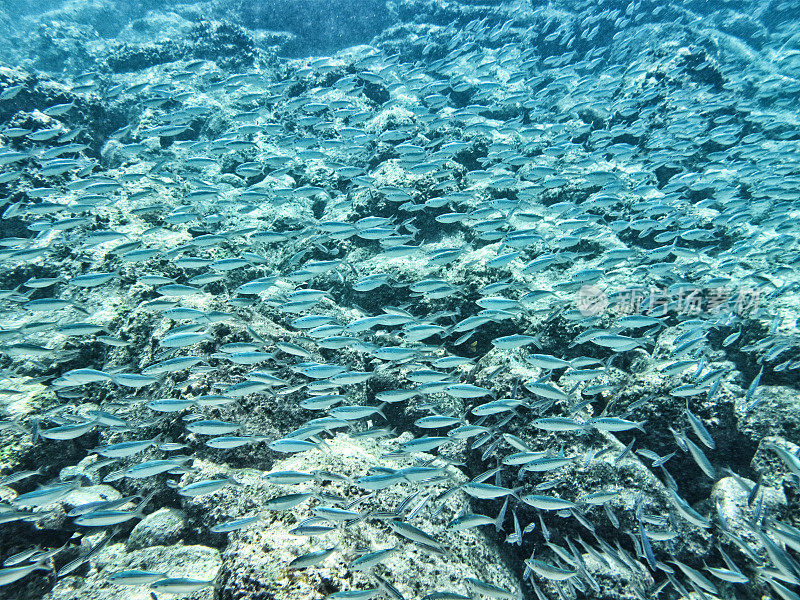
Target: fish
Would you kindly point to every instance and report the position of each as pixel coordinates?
(135, 577)
(548, 571)
(372, 559)
(543, 502)
(311, 559)
(110, 517)
(486, 491)
(490, 590)
(180, 585)
(206, 486)
(614, 424)
(414, 534)
(149, 468)
(124, 449)
(45, 495)
(11, 574)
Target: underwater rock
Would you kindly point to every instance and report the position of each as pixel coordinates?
(225, 43)
(162, 527)
(228, 44)
(257, 558)
(130, 57)
(772, 461)
(772, 411)
(738, 501)
(92, 119)
(613, 581)
(103, 16)
(155, 26)
(321, 27)
(91, 493)
(60, 46)
(199, 563)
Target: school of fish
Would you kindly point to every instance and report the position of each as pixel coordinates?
(529, 259)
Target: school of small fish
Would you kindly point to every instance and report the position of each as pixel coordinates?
(495, 238)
